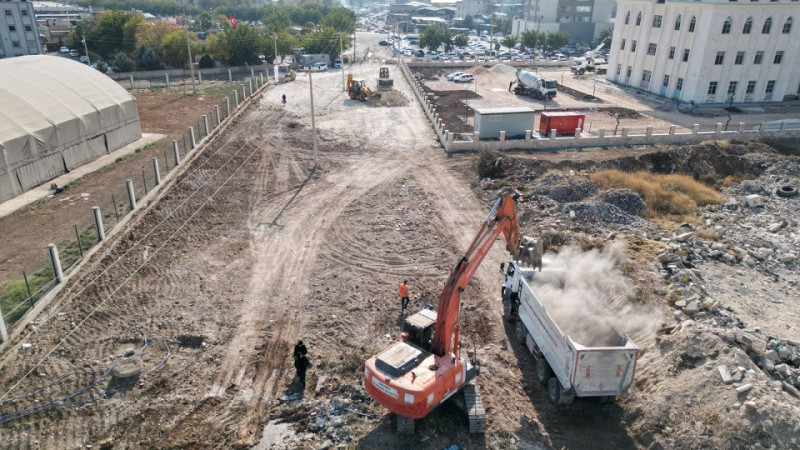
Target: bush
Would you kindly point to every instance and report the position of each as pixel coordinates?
(488, 164)
(101, 66)
(148, 59)
(123, 63)
(206, 62)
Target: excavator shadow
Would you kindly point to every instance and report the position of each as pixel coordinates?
(274, 222)
(584, 424)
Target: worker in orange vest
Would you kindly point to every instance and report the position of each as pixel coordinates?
(403, 296)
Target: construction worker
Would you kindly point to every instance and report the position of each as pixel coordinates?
(300, 349)
(301, 364)
(283, 99)
(403, 296)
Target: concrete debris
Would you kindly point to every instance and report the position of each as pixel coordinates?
(754, 201)
(744, 388)
(725, 374)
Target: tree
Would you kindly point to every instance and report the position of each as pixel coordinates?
(276, 19)
(530, 39)
(286, 45)
(101, 66)
(557, 39)
(148, 59)
(434, 37)
(108, 37)
(206, 62)
(122, 63)
(174, 48)
(468, 22)
(509, 41)
(460, 40)
(324, 40)
(341, 20)
(240, 45)
(603, 34)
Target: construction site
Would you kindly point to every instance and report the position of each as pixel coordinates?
(178, 331)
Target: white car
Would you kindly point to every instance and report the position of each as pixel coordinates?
(319, 67)
(73, 53)
(464, 78)
(453, 75)
(64, 50)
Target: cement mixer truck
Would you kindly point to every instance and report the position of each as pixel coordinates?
(533, 85)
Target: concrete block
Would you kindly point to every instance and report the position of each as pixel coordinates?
(625, 131)
(725, 374)
(718, 128)
(695, 128)
(672, 129)
(476, 136)
(601, 133)
(762, 127)
(527, 135)
(754, 200)
(502, 136)
(649, 131)
(577, 133)
(783, 127)
(553, 135)
(740, 128)
(744, 388)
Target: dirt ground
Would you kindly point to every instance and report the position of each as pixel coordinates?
(263, 241)
(27, 232)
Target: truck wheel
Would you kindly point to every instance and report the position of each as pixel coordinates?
(606, 399)
(543, 371)
(519, 331)
(556, 394)
(581, 72)
(508, 313)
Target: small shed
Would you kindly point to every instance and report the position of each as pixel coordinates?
(489, 122)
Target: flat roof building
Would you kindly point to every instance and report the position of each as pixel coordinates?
(19, 34)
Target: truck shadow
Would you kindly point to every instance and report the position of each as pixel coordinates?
(583, 424)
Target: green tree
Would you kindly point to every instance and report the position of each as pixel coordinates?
(276, 19)
(603, 34)
(509, 41)
(174, 48)
(148, 59)
(324, 40)
(123, 63)
(557, 39)
(241, 44)
(286, 45)
(468, 22)
(341, 20)
(460, 40)
(531, 39)
(108, 35)
(434, 37)
(206, 62)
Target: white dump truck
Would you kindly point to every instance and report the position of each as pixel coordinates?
(533, 85)
(585, 64)
(602, 368)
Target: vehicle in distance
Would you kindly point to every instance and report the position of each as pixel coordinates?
(384, 43)
(337, 63)
(464, 78)
(84, 59)
(453, 75)
(64, 50)
(73, 53)
(319, 67)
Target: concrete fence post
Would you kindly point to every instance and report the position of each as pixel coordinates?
(527, 135)
(252, 74)
(783, 127)
(476, 136)
(625, 131)
(236, 98)
(762, 127)
(166, 77)
(3, 331)
(740, 128)
(227, 106)
(132, 85)
(193, 140)
(156, 172)
(251, 85)
(601, 133)
(216, 114)
(230, 76)
(695, 128)
(199, 76)
(672, 129)
(244, 92)
(553, 134)
(52, 250)
(260, 78)
(649, 132)
(502, 135)
(577, 133)
(98, 224)
(131, 194)
(205, 123)
(175, 152)
(718, 128)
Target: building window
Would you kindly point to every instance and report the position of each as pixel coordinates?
(751, 87)
(679, 84)
(778, 57)
(726, 26)
(15, 44)
(8, 12)
(787, 26)
(692, 24)
(672, 53)
(666, 81)
(685, 55)
(12, 28)
(639, 19)
(619, 69)
(712, 88)
(28, 28)
(657, 21)
(628, 73)
(767, 26)
(31, 44)
(627, 17)
(678, 23)
(770, 86)
(622, 45)
(719, 58)
(748, 24)
(651, 49)
(758, 58)
(24, 12)
(739, 58)
(633, 45)
(732, 87)
(660, 2)
(646, 75)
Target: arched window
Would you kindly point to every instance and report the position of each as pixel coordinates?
(627, 17)
(748, 24)
(678, 23)
(767, 26)
(639, 19)
(692, 24)
(726, 26)
(787, 26)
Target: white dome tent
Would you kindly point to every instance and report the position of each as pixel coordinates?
(55, 115)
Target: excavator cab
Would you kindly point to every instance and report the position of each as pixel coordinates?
(420, 327)
(384, 72)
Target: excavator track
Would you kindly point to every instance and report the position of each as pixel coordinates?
(475, 412)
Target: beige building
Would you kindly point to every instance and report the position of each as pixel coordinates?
(708, 51)
(19, 34)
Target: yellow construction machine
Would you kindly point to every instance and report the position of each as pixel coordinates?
(358, 90)
(385, 82)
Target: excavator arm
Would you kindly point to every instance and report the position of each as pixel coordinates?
(501, 220)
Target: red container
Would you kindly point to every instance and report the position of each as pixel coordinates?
(563, 122)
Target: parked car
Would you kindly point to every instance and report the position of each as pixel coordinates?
(84, 59)
(384, 43)
(453, 75)
(73, 53)
(319, 67)
(337, 63)
(64, 50)
(420, 53)
(464, 78)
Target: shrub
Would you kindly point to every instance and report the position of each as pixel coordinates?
(148, 59)
(488, 164)
(101, 66)
(206, 62)
(122, 63)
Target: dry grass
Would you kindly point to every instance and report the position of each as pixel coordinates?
(664, 194)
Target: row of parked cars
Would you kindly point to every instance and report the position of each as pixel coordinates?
(461, 77)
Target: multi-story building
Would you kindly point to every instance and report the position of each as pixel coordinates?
(19, 34)
(582, 20)
(708, 51)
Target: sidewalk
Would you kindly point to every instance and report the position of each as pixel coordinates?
(42, 191)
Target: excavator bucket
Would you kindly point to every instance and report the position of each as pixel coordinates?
(530, 252)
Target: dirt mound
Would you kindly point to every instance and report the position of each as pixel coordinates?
(479, 70)
(502, 68)
(390, 99)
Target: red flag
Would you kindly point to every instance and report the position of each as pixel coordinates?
(233, 21)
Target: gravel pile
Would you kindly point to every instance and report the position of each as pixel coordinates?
(574, 191)
(627, 200)
(591, 212)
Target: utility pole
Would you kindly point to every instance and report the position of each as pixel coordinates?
(86, 49)
(491, 32)
(341, 54)
(313, 123)
(354, 51)
(275, 61)
(188, 46)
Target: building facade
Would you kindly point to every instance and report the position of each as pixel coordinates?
(708, 51)
(582, 20)
(19, 34)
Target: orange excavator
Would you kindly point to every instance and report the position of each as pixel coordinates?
(413, 376)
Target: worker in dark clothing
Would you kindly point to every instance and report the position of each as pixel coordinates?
(300, 349)
(510, 85)
(283, 99)
(403, 296)
(301, 364)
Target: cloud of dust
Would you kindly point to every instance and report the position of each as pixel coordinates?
(588, 296)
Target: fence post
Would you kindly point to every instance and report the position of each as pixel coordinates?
(3, 331)
(155, 171)
(601, 133)
(672, 130)
(236, 98)
(131, 193)
(244, 92)
(216, 114)
(199, 76)
(98, 224)
(27, 287)
(176, 152)
(251, 85)
(230, 77)
(166, 77)
(227, 106)
(52, 250)
(191, 134)
(132, 85)
(205, 123)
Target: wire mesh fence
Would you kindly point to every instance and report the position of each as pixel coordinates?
(17, 297)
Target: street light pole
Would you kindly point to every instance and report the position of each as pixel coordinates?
(86, 49)
(188, 46)
(313, 123)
